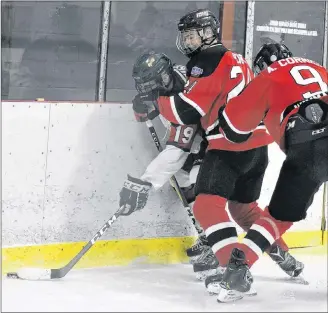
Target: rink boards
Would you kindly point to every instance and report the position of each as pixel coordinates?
(63, 165)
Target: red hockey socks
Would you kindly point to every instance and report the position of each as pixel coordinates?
(245, 214)
(220, 231)
(262, 235)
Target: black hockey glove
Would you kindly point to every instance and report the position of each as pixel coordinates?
(134, 195)
(140, 109)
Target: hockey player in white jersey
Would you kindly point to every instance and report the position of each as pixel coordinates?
(185, 146)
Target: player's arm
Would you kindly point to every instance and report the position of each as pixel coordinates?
(188, 106)
(244, 113)
(173, 157)
(135, 191)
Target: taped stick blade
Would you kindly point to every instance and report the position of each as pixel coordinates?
(31, 274)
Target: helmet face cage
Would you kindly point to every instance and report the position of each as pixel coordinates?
(285, 52)
(259, 65)
(193, 39)
(196, 30)
(268, 54)
(153, 73)
(146, 87)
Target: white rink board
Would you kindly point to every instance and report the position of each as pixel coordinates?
(24, 149)
(87, 154)
(99, 145)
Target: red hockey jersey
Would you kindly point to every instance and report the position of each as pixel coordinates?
(266, 98)
(215, 76)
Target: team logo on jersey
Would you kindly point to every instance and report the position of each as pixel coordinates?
(318, 131)
(290, 125)
(196, 71)
(150, 61)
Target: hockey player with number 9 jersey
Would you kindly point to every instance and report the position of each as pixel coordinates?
(273, 97)
(290, 95)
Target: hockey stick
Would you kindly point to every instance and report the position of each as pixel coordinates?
(45, 274)
(323, 214)
(173, 180)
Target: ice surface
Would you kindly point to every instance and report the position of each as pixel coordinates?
(166, 288)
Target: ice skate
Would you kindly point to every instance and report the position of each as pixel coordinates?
(206, 265)
(195, 252)
(286, 261)
(237, 279)
(212, 283)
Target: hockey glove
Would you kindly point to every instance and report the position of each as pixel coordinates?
(140, 109)
(134, 195)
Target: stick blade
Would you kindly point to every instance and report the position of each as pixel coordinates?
(30, 273)
(12, 275)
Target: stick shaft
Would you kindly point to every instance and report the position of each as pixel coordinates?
(61, 272)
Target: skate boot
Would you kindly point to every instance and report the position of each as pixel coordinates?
(194, 253)
(286, 261)
(212, 283)
(237, 279)
(206, 265)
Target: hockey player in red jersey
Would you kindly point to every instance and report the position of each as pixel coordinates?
(215, 74)
(291, 96)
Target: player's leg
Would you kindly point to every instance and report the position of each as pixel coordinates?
(242, 205)
(303, 172)
(245, 215)
(245, 210)
(215, 184)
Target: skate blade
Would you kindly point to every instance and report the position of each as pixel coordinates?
(194, 259)
(226, 295)
(201, 276)
(299, 280)
(214, 289)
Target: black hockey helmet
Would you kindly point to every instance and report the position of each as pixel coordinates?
(152, 71)
(268, 54)
(196, 30)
